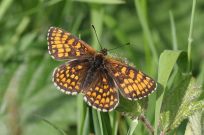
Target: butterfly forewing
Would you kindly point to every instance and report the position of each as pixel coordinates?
(69, 77)
(102, 94)
(63, 45)
(132, 83)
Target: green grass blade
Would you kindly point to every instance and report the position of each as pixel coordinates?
(86, 125)
(10, 104)
(81, 110)
(190, 39)
(103, 1)
(4, 6)
(107, 130)
(98, 128)
(115, 122)
(146, 29)
(133, 125)
(173, 31)
(97, 13)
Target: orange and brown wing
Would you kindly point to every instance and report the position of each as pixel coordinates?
(62, 45)
(102, 94)
(69, 77)
(133, 84)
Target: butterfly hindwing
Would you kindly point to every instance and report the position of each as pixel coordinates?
(62, 45)
(69, 77)
(102, 94)
(132, 83)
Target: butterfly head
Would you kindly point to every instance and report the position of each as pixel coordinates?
(103, 51)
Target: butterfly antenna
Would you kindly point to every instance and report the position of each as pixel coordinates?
(96, 36)
(127, 44)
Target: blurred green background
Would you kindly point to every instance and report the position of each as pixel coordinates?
(30, 103)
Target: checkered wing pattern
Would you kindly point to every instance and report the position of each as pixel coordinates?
(69, 77)
(63, 45)
(133, 84)
(102, 94)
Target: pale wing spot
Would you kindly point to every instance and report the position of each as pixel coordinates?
(98, 97)
(140, 87)
(73, 83)
(146, 82)
(116, 74)
(79, 67)
(78, 45)
(135, 87)
(60, 54)
(71, 41)
(93, 94)
(67, 49)
(102, 100)
(60, 50)
(96, 102)
(123, 70)
(68, 80)
(77, 53)
(107, 100)
(126, 90)
(57, 42)
(57, 38)
(65, 85)
(130, 88)
(61, 76)
(139, 76)
(58, 34)
(63, 79)
(143, 85)
(126, 81)
(131, 74)
(59, 46)
(130, 80)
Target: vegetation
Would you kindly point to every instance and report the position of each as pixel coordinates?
(167, 44)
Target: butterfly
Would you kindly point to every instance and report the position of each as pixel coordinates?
(96, 75)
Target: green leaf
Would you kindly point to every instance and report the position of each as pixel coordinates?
(190, 104)
(167, 61)
(132, 108)
(173, 99)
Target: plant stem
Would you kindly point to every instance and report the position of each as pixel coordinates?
(146, 123)
(190, 39)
